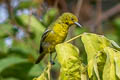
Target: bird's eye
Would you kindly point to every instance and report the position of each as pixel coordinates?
(72, 19)
(66, 23)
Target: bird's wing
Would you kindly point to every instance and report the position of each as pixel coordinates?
(43, 38)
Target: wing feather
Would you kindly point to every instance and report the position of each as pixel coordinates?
(43, 38)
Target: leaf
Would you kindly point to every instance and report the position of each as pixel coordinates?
(3, 46)
(34, 23)
(96, 71)
(35, 26)
(5, 30)
(109, 68)
(36, 70)
(112, 36)
(20, 68)
(117, 62)
(9, 61)
(23, 49)
(50, 16)
(93, 45)
(84, 74)
(115, 45)
(46, 74)
(10, 78)
(27, 4)
(68, 57)
(117, 22)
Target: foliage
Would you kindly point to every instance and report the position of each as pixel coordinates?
(46, 74)
(102, 58)
(50, 16)
(22, 23)
(68, 57)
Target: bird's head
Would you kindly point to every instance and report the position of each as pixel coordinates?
(70, 19)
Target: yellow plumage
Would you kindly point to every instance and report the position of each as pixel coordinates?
(56, 33)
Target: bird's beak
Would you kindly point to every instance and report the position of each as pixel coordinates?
(76, 23)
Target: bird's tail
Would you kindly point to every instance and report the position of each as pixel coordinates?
(40, 58)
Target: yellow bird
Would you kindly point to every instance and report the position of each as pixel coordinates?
(55, 34)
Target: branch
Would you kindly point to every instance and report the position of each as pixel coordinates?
(74, 38)
(98, 27)
(107, 14)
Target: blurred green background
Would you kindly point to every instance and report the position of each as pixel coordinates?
(22, 23)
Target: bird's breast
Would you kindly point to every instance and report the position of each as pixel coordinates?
(60, 32)
(55, 36)
(60, 29)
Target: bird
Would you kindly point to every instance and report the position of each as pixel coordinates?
(56, 33)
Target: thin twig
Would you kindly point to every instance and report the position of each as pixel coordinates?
(73, 38)
(63, 5)
(105, 15)
(49, 66)
(10, 9)
(56, 3)
(78, 7)
(99, 14)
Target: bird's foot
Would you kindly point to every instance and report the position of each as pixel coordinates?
(52, 62)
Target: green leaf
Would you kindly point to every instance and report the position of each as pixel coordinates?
(10, 78)
(9, 61)
(112, 36)
(23, 49)
(5, 30)
(34, 26)
(3, 46)
(46, 74)
(94, 44)
(115, 45)
(36, 70)
(27, 4)
(50, 16)
(19, 68)
(117, 22)
(34, 23)
(68, 57)
(96, 70)
(117, 62)
(109, 68)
